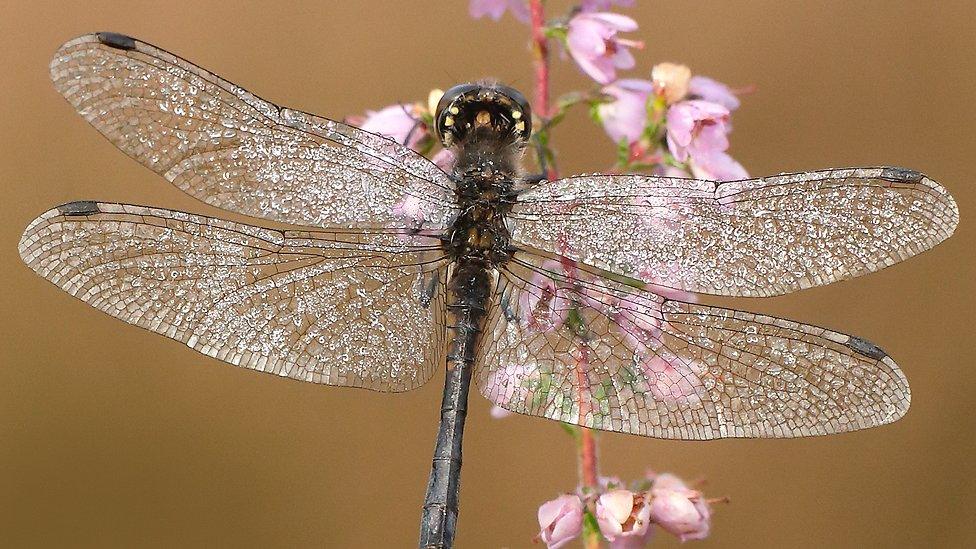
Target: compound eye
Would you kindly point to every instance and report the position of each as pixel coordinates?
(521, 113)
(444, 118)
(525, 111)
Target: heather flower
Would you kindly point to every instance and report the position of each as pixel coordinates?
(696, 128)
(399, 122)
(602, 5)
(703, 87)
(496, 8)
(671, 81)
(678, 509)
(624, 518)
(593, 43)
(560, 520)
(444, 159)
(625, 117)
(717, 166)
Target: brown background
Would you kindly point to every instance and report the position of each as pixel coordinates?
(112, 436)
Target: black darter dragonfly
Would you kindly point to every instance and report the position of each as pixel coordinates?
(562, 299)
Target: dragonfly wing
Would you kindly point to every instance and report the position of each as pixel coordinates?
(234, 150)
(573, 346)
(755, 237)
(360, 308)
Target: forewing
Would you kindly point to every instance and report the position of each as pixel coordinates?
(234, 150)
(573, 346)
(755, 237)
(358, 308)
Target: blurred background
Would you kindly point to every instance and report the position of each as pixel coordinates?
(113, 436)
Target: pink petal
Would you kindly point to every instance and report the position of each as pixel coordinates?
(713, 91)
(717, 166)
(598, 68)
(619, 23)
(618, 504)
(586, 38)
(626, 117)
(492, 8)
(623, 59)
(395, 122)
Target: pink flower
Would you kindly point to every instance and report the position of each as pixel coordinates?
(705, 88)
(444, 159)
(625, 117)
(678, 509)
(671, 81)
(624, 518)
(593, 43)
(496, 8)
(560, 520)
(398, 122)
(697, 127)
(543, 303)
(666, 481)
(717, 166)
(601, 5)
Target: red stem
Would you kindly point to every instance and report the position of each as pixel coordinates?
(541, 48)
(587, 443)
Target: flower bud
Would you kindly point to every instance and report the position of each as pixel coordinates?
(560, 520)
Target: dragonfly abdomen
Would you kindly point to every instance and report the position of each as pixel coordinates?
(469, 291)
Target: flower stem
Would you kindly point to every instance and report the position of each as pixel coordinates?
(587, 458)
(540, 46)
(540, 49)
(586, 441)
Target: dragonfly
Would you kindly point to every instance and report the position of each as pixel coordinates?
(571, 299)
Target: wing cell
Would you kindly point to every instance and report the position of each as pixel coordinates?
(357, 308)
(755, 237)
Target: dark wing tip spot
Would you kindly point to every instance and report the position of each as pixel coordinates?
(866, 348)
(116, 40)
(893, 173)
(81, 207)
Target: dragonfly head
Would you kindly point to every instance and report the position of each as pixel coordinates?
(479, 107)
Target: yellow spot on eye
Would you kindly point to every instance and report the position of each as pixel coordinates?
(520, 126)
(516, 114)
(455, 110)
(448, 120)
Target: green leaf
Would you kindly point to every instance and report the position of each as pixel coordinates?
(573, 430)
